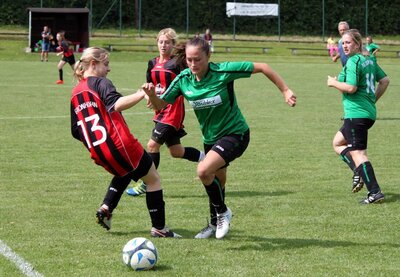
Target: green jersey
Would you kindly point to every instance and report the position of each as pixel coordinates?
(212, 98)
(362, 72)
(372, 47)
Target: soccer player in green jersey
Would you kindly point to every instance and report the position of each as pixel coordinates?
(208, 87)
(356, 82)
(372, 47)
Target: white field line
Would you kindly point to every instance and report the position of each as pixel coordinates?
(25, 267)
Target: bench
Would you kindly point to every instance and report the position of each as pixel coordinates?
(228, 49)
(153, 48)
(295, 50)
(148, 47)
(397, 52)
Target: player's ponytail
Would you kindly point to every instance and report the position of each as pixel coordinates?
(96, 54)
(180, 55)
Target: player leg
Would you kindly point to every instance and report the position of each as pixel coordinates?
(341, 148)
(153, 149)
(111, 199)
(60, 72)
(211, 227)
(155, 204)
(212, 172)
(363, 165)
(177, 150)
(206, 171)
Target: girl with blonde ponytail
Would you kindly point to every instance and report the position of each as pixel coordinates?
(97, 122)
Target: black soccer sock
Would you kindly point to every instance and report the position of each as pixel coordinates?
(115, 191)
(346, 157)
(366, 171)
(156, 206)
(213, 211)
(216, 196)
(191, 154)
(60, 74)
(156, 158)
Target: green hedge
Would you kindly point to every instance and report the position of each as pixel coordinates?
(297, 17)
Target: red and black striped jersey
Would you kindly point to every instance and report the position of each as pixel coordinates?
(161, 75)
(101, 129)
(64, 47)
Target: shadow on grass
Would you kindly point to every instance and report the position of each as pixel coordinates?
(388, 118)
(272, 244)
(241, 193)
(391, 197)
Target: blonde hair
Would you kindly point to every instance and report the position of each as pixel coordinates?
(96, 54)
(169, 33)
(356, 37)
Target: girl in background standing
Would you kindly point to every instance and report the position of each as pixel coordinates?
(67, 53)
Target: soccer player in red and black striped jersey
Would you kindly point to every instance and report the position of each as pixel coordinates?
(169, 127)
(97, 122)
(67, 55)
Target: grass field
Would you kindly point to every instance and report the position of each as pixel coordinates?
(294, 214)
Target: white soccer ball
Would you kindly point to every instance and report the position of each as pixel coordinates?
(140, 254)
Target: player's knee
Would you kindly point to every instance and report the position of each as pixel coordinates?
(203, 173)
(176, 151)
(153, 146)
(176, 154)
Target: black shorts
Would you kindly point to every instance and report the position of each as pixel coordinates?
(230, 147)
(355, 131)
(142, 168)
(164, 133)
(70, 59)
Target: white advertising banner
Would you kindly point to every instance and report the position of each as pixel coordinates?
(251, 9)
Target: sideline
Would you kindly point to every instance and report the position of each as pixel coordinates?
(26, 268)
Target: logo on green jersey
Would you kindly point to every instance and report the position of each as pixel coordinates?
(206, 102)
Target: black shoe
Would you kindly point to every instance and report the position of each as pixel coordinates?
(373, 198)
(358, 183)
(103, 217)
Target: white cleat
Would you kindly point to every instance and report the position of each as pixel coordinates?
(206, 232)
(223, 223)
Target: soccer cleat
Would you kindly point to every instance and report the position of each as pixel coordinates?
(163, 233)
(138, 190)
(60, 82)
(206, 232)
(103, 217)
(223, 222)
(373, 198)
(358, 183)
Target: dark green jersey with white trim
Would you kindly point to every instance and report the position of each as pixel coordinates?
(212, 98)
(362, 72)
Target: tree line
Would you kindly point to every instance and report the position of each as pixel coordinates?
(298, 17)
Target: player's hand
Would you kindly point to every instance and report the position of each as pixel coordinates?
(331, 81)
(290, 97)
(149, 89)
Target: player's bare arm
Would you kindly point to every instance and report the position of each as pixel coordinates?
(129, 101)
